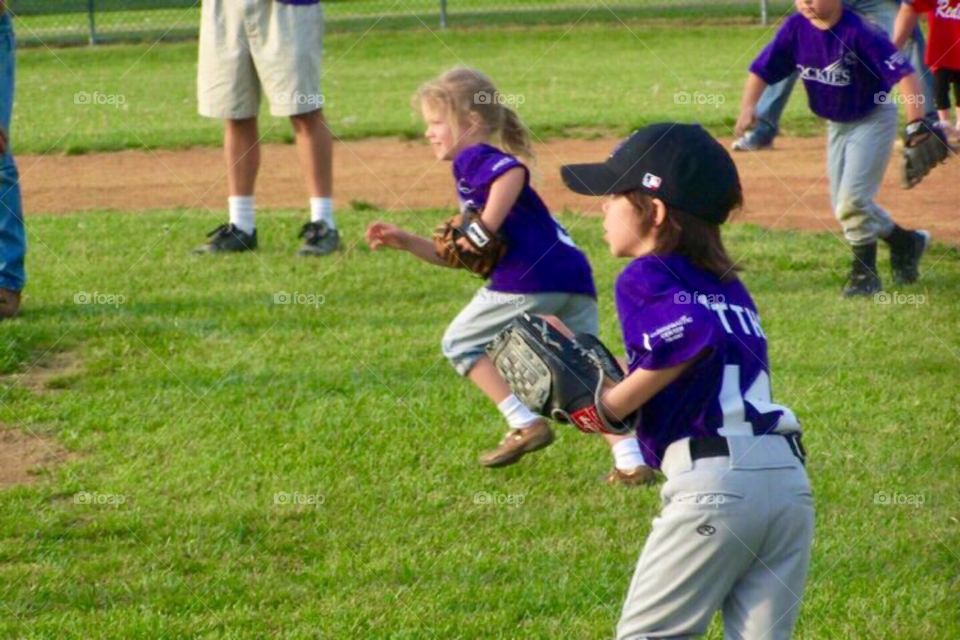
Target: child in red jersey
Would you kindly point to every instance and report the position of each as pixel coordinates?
(943, 52)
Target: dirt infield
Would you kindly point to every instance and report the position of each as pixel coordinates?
(785, 187)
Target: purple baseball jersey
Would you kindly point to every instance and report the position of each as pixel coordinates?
(670, 312)
(541, 257)
(847, 70)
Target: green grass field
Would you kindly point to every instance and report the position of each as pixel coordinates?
(47, 23)
(250, 469)
(562, 80)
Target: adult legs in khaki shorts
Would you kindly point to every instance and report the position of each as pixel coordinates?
(250, 48)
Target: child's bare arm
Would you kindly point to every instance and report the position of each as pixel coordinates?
(424, 249)
(383, 234)
(910, 88)
(503, 195)
(632, 392)
(904, 26)
(748, 104)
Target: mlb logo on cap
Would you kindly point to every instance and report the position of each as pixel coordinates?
(681, 164)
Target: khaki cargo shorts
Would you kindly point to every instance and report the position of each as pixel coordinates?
(249, 47)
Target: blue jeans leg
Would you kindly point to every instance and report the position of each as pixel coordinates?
(13, 240)
(772, 102)
(916, 49)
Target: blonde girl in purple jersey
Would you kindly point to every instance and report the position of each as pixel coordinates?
(542, 272)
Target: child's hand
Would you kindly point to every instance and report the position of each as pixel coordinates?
(748, 116)
(464, 244)
(383, 234)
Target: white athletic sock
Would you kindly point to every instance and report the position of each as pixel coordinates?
(517, 414)
(241, 212)
(627, 455)
(322, 209)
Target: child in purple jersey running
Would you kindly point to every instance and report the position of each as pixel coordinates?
(848, 68)
(542, 272)
(736, 526)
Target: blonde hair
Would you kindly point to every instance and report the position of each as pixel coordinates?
(462, 91)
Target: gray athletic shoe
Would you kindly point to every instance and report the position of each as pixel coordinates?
(750, 141)
(227, 238)
(318, 239)
(905, 264)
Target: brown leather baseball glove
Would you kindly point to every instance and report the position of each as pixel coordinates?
(485, 247)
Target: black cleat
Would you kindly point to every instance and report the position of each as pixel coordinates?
(905, 262)
(863, 279)
(229, 239)
(318, 239)
(862, 284)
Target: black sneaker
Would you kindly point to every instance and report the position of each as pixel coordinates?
(318, 239)
(228, 238)
(905, 262)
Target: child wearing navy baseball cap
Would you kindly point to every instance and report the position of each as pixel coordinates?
(736, 526)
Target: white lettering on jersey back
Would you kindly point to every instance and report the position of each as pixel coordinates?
(733, 404)
(755, 323)
(719, 308)
(737, 309)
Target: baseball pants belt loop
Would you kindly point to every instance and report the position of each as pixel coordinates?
(717, 446)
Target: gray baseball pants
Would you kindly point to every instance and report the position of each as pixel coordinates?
(734, 535)
(857, 156)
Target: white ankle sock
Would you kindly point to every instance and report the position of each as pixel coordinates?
(517, 414)
(627, 455)
(322, 209)
(241, 212)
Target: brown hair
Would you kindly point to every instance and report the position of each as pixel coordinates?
(686, 235)
(461, 91)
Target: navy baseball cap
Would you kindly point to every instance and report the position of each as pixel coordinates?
(681, 164)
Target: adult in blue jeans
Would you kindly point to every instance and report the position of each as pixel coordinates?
(883, 13)
(13, 241)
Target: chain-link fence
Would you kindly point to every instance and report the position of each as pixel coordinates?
(54, 22)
